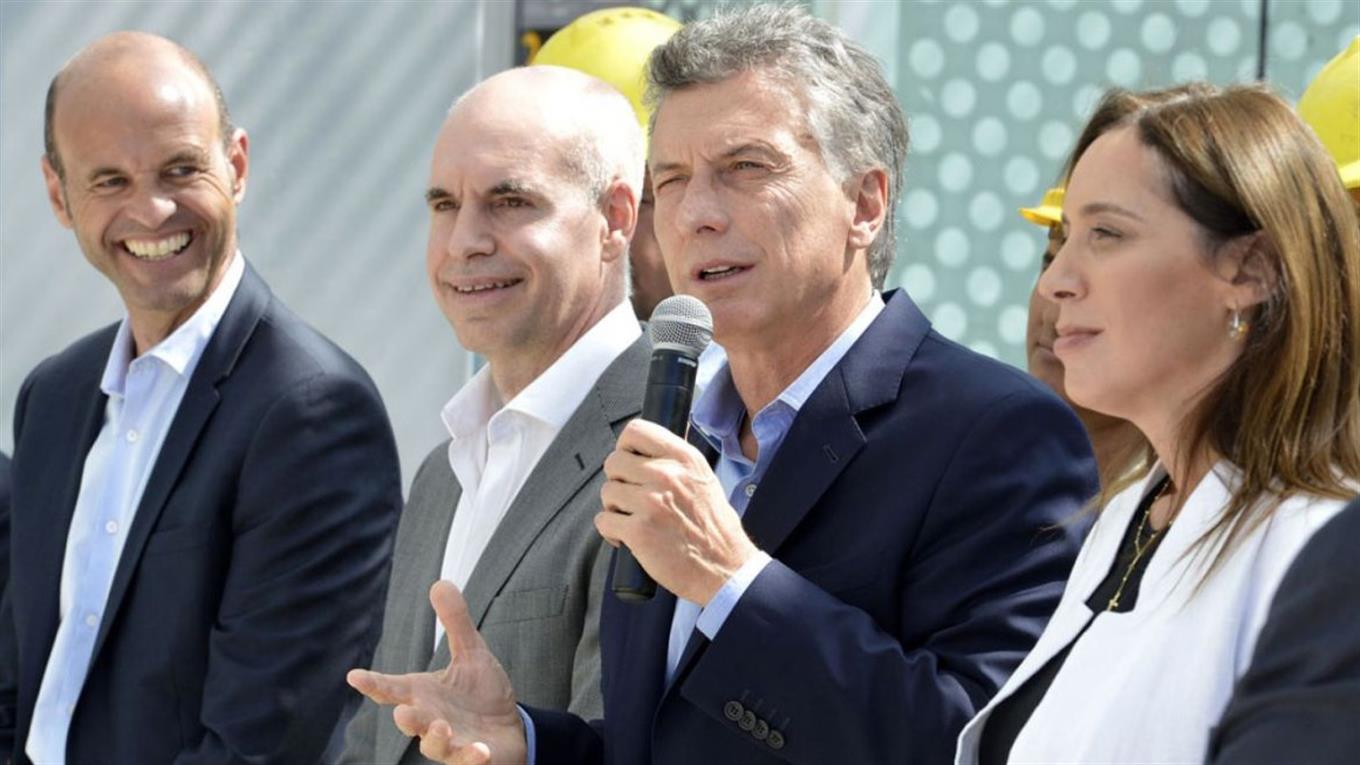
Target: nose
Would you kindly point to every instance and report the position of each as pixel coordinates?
(151, 208)
(468, 235)
(1062, 280)
(700, 209)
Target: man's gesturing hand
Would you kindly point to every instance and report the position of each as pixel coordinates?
(663, 501)
(464, 714)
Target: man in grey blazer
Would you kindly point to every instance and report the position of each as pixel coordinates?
(527, 258)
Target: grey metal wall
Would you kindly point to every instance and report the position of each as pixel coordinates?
(342, 101)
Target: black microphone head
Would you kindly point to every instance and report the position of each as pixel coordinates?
(681, 323)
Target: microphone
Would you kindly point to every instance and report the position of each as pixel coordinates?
(680, 328)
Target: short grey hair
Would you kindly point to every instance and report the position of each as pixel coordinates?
(851, 110)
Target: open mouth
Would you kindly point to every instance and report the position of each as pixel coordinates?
(158, 249)
(721, 272)
(472, 289)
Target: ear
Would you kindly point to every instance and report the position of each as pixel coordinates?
(620, 217)
(238, 160)
(1249, 267)
(56, 193)
(870, 195)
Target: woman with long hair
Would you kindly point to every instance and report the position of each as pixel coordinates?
(1208, 291)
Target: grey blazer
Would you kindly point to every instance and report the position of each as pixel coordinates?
(535, 592)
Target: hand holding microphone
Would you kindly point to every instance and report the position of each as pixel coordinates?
(662, 502)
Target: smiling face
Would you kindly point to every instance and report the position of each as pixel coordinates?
(149, 188)
(749, 218)
(520, 258)
(1143, 303)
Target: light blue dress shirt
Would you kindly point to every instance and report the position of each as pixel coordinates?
(143, 395)
(718, 416)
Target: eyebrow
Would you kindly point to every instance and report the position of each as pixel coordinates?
(752, 147)
(434, 192)
(188, 155)
(1095, 208)
(510, 187)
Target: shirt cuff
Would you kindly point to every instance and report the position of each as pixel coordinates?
(713, 615)
(530, 747)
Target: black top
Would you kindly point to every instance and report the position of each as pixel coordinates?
(1299, 701)
(1009, 717)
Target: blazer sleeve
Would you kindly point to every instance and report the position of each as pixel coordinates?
(317, 503)
(9, 643)
(1299, 700)
(974, 591)
(562, 738)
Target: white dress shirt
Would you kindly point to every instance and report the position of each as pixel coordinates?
(495, 446)
(143, 396)
(1147, 685)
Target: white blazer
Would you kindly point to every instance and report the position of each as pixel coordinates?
(1146, 686)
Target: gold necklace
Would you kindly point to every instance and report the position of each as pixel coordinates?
(1140, 547)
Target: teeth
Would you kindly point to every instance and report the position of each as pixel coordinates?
(484, 287)
(157, 249)
(709, 272)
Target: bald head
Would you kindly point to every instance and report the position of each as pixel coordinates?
(598, 132)
(122, 59)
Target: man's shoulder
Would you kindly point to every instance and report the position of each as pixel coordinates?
(83, 357)
(962, 379)
(282, 349)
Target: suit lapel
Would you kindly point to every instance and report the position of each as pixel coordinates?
(200, 399)
(574, 456)
(826, 434)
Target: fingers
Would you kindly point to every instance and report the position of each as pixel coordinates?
(437, 744)
(412, 720)
(452, 611)
(650, 440)
(626, 467)
(383, 689)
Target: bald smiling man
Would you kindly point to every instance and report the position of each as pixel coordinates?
(205, 492)
(527, 256)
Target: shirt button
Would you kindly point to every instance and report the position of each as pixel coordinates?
(91, 620)
(132, 436)
(750, 490)
(111, 527)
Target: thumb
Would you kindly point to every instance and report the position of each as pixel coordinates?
(452, 610)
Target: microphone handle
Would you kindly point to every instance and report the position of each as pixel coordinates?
(670, 389)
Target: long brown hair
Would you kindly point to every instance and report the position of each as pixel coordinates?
(1286, 413)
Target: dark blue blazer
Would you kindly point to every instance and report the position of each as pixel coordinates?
(1299, 701)
(253, 573)
(914, 513)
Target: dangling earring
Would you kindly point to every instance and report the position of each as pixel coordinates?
(1237, 326)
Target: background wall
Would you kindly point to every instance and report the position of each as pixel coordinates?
(343, 99)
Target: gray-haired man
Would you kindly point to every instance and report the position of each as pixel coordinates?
(852, 553)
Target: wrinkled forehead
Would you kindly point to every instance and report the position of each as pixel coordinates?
(715, 118)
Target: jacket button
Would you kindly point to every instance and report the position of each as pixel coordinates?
(761, 730)
(747, 721)
(732, 710)
(776, 740)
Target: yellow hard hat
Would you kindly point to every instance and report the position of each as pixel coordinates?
(612, 44)
(1331, 105)
(1049, 212)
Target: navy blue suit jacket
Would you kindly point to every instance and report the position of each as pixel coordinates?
(253, 573)
(914, 515)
